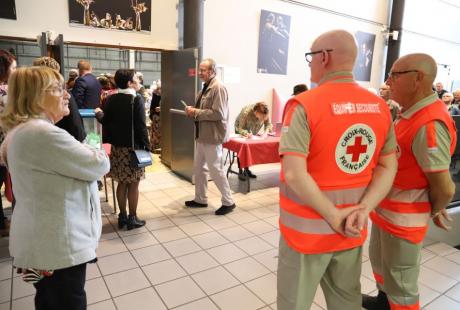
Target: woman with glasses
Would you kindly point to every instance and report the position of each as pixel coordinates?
(56, 223)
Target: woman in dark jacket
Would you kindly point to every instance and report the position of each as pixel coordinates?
(119, 112)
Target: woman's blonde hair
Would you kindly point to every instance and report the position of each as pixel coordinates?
(27, 87)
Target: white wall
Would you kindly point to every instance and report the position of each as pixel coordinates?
(432, 27)
(35, 16)
(231, 34)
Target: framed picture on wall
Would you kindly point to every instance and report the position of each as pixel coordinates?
(122, 15)
(273, 42)
(8, 9)
(363, 66)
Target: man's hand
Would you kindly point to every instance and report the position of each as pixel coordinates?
(356, 222)
(97, 110)
(441, 219)
(337, 219)
(190, 111)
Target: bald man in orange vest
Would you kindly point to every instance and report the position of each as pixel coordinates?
(426, 137)
(338, 162)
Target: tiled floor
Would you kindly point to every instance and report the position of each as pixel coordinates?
(193, 260)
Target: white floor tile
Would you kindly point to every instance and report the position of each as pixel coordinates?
(104, 305)
(444, 303)
(215, 280)
(169, 234)
(367, 286)
(142, 300)
(258, 227)
(253, 245)
(196, 228)
(455, 257)
(139, 241)
(5, 270)
(264, 287)
(163, 271)
(196, 262)
(96, 291)
(202, 304)
(272, 237)
(116, 263)
(181, 247)
(247, 269)
(220, 223)
(441, 249)
(434, 280)
(110, 247)
(158, 223)
(210, 240)
(126, 282)
(179, 292)
(237, 298)
(150, 255)
(445, 267)
(242, 217)
(92, 271)
(269, 259)
(226, 253)
(454, 292)
(236, 233)
(427, 295)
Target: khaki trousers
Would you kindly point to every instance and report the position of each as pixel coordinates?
(299, 274)
(208, 158)
(396, 266)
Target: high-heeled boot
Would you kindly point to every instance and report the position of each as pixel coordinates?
(122, 220)
(134, 222)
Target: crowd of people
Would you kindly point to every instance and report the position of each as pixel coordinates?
(347, 155)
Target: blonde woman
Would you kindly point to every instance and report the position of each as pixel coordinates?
(56, 223)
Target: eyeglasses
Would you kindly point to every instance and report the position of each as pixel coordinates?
(309, 56)
(395, 74)
(57, 91)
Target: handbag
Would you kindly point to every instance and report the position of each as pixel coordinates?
(137, 158)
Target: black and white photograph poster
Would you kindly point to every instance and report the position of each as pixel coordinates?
(126, 15)
(8, 9)
(273, 42)
(363, 65)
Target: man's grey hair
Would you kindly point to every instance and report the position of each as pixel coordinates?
(211, 64)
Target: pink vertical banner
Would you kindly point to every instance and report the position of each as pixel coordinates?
(277, 107)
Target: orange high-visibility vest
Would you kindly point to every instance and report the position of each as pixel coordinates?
(406, 210)
(348, 127)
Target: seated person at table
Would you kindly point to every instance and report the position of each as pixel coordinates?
(252, 120)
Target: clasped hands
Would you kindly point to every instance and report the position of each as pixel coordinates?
(350, 221)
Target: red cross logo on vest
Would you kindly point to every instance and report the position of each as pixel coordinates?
(356, 149)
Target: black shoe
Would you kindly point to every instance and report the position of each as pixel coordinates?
(194, 204)
(249, 173)
(100, 186)
(225, 209)
(379, 302)
(242, 176)
(134, 222)
(122, 220)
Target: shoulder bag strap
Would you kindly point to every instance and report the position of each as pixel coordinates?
(132, 122)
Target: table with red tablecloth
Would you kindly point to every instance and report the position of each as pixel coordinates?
(252, 152)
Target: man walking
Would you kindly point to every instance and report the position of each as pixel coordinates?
(211, 130)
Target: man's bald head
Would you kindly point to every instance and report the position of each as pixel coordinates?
(341, 57)
(411, 79)
(423, 63)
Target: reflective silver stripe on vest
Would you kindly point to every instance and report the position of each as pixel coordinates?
(408, 195)
(350, 196)
(304, 225)
(404, 219)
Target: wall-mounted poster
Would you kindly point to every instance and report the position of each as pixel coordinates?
(8, 9)
(363, 65)
(127, 15)
(273, 42)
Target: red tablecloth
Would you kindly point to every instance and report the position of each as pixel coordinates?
(254, 152)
